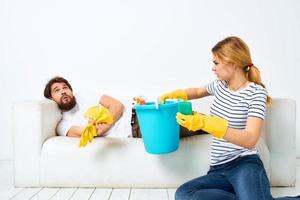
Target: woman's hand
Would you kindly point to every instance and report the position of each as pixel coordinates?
(215, 126)
(176, 94)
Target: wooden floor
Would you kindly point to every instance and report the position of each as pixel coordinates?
(7, 190)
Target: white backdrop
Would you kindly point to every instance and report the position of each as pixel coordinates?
(138, 47)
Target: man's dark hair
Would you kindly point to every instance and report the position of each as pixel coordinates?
(56, 79)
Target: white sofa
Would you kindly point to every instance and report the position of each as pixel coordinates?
(43, 159)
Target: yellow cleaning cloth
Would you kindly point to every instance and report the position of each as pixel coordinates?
(97, 115)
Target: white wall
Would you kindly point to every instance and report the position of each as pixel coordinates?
(132, 47)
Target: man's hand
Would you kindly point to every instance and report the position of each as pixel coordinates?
(102, 128)
(96, 116)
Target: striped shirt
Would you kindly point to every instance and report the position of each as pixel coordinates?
(235, 107)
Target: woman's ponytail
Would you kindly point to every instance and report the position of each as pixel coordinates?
(253, 75)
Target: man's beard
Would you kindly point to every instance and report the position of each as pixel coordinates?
(68, 105)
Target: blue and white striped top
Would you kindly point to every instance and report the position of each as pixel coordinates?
(235, 107)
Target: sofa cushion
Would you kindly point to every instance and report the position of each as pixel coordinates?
(123, 162)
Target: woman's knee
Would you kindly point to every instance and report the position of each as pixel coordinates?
(181, 193)
(204, 194)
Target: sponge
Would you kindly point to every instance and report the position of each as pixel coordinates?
(185, 107)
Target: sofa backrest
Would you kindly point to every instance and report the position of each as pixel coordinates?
(281, 114)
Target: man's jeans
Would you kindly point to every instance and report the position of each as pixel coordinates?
(241, 179)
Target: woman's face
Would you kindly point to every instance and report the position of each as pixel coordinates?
(224, 72)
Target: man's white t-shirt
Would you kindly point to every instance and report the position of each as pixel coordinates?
(75, 117)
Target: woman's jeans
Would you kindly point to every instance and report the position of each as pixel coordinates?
(241, 179)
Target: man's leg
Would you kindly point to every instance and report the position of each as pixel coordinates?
(184, 132)
(135, 128)
(212, 186)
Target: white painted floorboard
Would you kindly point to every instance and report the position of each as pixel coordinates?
(64, 193)
(101, 194)
(45, 193)
(120, 194)
(8, 192)
(149, 194)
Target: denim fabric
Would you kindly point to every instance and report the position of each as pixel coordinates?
(241, 179)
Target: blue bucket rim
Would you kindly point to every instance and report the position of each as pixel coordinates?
(151, 105)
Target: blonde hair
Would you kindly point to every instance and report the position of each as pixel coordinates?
(235, 51)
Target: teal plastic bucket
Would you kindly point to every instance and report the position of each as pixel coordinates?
(159, 129)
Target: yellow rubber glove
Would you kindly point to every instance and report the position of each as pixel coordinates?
(88, 133)
(176, 94)
(216, 126)
(97, 115)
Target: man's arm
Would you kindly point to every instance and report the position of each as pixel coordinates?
(114, 106)
(75, 131)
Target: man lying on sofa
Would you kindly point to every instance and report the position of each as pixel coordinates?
(124, 123)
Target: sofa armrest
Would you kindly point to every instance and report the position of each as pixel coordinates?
(279, 132)
(33, 123)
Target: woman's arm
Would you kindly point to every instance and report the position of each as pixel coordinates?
(195, 93)
(247, 137)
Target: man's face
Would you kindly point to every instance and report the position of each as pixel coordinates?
(63, 96)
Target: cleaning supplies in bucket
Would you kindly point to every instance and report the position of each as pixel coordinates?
(160, 131)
